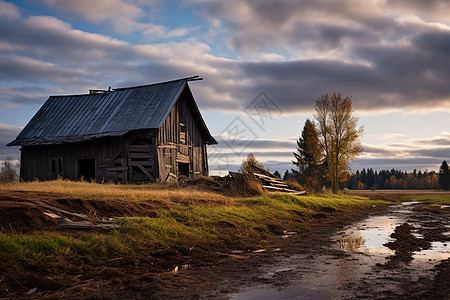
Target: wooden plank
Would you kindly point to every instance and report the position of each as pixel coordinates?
(139, 148)
(111, 160)
(168, 146)
(115, 169)
(51, 207)
(140, 155)
(144, 163)
(150, 176)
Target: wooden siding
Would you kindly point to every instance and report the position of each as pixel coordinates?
(36, 160)
(181, 140)
(146, 155)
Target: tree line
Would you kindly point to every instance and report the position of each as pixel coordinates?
(368, 179)
(393, 179)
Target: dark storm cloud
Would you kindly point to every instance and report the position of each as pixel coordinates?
(359, 48)
(373, 51)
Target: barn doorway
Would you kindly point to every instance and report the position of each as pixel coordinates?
(86, 169)
(183, 169)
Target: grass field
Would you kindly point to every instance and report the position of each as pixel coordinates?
(181, 216)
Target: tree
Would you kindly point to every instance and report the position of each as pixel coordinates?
(248, 163)
(8, 173)
(308, 155)
(286, 175)
(339, 134)
(444, 176)
(276, 173)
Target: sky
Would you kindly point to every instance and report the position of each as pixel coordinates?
(263, 64)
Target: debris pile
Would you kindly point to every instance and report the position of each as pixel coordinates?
(273, 183)
(244, 182)
(86, 223)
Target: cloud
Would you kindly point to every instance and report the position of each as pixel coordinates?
(372, 50)
(122, 15)
(8, 10)
(376, 58)
(7, 134)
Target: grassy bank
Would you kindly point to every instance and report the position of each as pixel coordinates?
(179, 217)
(159, 226)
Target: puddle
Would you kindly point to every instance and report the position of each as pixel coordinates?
(370, 235)
(325, 276)
(438, 251)
(289, 293)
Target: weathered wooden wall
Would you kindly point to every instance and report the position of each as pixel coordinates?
(171, 148)
(36, 160)
(146, 155)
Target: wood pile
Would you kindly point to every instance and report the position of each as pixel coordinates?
(268, 181)
(273, 183)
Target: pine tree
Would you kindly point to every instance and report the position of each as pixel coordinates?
(308, 156)
(444, 176)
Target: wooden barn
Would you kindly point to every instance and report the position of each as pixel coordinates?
(137, 134)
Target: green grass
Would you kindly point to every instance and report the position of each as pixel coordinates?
(437, 198)
(184, 218)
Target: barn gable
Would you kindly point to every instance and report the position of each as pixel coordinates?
(143, 133)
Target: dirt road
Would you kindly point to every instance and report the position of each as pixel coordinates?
(401, 254)
(397, 252)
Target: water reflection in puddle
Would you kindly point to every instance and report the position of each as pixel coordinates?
(323, 277)
(370, 235)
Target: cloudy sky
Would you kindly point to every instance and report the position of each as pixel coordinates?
(263, 62)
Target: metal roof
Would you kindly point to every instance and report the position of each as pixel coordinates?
(76, 118)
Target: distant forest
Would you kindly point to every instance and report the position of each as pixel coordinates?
(386, 179)
(393, 179)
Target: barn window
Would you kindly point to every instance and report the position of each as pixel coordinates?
(182, 133)
(86, 169)
(56, 165)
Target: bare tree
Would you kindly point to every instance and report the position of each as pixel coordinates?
(8, 172)
(338, 135)
(248, 163)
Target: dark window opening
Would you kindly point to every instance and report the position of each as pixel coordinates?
(86, 169)
(56, 165)
(60, 164)
(183, 169)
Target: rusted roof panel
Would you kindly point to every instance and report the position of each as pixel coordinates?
(77, 118)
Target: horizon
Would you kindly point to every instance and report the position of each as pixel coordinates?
(263, 63)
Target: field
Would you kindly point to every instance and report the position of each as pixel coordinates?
(159, 232)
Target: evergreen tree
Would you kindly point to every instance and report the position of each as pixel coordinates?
(276, 173)
(308, 156)
(444, 176)
(308, 153)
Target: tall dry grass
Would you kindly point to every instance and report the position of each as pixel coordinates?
(126, 192)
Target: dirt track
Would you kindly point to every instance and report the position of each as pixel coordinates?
(309, 265)
(312, 266)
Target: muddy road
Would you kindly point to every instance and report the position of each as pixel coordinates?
(402, 253)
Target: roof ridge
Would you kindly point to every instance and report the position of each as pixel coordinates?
(191, 78)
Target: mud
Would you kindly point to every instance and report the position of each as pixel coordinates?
(397, 252)
(406, 257)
